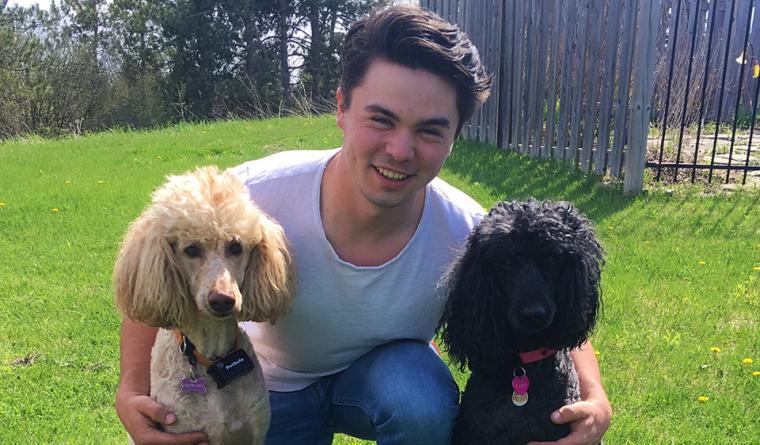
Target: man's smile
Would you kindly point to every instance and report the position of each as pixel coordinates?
(392, 174)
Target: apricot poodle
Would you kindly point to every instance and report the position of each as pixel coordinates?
(198, 260)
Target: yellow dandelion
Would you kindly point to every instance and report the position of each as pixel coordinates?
(67, 182)
(56, 210)
(101, 181)
(756, 268)
(597, 353)
(715, 349)
(702, 263)
(703, 399)
(610, 228)
(2, 204)
(158, 158)
(755, 373)
(747, 361)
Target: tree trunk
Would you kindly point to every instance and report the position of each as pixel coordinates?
(251, 40)
(315, 48)
(284, 65)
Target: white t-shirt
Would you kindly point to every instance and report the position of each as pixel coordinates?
(343, 311)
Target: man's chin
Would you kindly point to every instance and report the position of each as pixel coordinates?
(390, 200)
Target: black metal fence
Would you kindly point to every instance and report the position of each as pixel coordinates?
(706, 111)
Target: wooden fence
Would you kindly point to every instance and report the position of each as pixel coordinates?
(581, 80)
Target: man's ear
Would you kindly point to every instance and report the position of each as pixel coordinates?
(340, 115)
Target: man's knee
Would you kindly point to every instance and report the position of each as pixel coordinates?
(419, 418)
(418, 400)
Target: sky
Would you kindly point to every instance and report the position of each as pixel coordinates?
(44, 4)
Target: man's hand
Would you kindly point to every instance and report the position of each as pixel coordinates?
(141, 415)
(588, 419)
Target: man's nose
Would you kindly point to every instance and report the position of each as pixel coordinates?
(401, 146)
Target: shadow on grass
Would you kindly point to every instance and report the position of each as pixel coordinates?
(512, 176)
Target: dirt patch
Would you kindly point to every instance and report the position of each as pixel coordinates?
(27, 360)
(717, 151)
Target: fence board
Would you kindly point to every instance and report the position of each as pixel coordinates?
(495, 34)
(580, 73)
(517, 76)
(504, 81)
(538, 127)
(642, 92)
(626, 56)
(531, 72)
(566, 90)
(612, 31)
(552, 99)
(596, 16)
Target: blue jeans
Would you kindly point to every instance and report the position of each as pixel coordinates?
(398, 393)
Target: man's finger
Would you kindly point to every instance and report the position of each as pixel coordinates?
(571, 413)
(155, 411)
(582, 425)
(150, 435)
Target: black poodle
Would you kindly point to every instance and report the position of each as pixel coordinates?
(524, 291)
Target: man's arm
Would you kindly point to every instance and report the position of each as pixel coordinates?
(137, 411)
(589, 418)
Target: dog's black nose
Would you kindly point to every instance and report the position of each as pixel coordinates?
(221, 303)
(535, 317)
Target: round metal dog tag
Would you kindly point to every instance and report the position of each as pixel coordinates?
(519, 399)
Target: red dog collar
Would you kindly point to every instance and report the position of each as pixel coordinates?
(536, 355)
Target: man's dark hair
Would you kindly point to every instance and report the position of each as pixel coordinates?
(416, 38)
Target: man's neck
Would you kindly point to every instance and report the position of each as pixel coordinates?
(360, 232)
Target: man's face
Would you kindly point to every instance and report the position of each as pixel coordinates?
(398, 130)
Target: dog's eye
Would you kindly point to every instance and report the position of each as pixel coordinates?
(193, 251)
(235, 248)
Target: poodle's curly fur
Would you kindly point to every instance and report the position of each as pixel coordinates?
(199, 259)
(528, 278)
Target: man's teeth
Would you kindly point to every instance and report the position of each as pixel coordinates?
(391, 174)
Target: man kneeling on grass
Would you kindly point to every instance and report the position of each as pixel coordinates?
(372, 229)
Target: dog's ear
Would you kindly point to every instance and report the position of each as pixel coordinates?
(269, 282)
(581, 284)
(146, 278)
(468, 324)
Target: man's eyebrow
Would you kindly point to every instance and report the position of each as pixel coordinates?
(435, 121)
(374, 108)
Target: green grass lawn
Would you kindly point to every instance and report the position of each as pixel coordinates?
(682, 276)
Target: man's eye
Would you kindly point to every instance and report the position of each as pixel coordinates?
(193, 251)
(381, 120)
(431, 132)
(235, 248)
